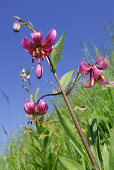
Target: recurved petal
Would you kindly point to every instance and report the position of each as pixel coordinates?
(104, 64)
(50, 39)
(84, 68)
(29, 106)
(90, 84)
(27, 45)
(96, 71)
(102, 80)
(37, 37)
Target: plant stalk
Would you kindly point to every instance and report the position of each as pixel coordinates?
(96, 167)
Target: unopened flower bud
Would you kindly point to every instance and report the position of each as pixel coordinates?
(16, 26)
(39, 71)
(42, 107)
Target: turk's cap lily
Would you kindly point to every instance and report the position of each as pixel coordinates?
(42, 107)
(38, 48)
(95, 71)
(31, 108)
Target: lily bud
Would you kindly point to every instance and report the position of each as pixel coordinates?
(16, 26)
(39, 71)
(42, 107)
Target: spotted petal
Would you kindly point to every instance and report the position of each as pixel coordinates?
(102, 80)
(104, 64)
(90, 84)
(96, 71)
(37, 37)
(27, 45)
(84, 68)
(29, 106)
(48, 50)
(50, 39)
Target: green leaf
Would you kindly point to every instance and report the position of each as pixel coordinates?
(111, 153)
(105, 157)
(21, 23)
(31, 24)
(30, 70)
(69, 164)
(67, 126)
(36, 94)
(66, 78)
(26, 89)
(56, 53)
(93, 138)
(31, 96)
(53, 85)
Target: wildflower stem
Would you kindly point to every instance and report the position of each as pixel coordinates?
(32, 29)
(72, 84)
(51, 94)
(96, 167)
(78, 126)
(30, 87)
(20, 20)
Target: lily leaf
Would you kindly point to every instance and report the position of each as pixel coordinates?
(111, 153)
(36, 94)
(31, 24)
(56, 53)
(30, 70)
(105, 157)
(21, 23)
(69, 164)
(26, 89)
(66, 78)
(67, 126)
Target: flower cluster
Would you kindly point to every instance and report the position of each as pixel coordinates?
(31, 108)
(95, 71)
(39, 49)
(24, 75)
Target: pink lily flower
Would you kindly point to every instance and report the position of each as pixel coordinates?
(37, 48)
(31, 108)
(95, 71)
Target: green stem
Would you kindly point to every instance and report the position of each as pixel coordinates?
(30, 87)
(96, 167)
(67, 92)
(78, 126)
(51, 94)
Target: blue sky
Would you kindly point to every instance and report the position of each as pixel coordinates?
(81, 20)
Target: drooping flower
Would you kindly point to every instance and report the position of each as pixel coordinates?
(39, 49)
(42, 107)
(31, 108)
(95, 71)
(16, 27)
(39, 71)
